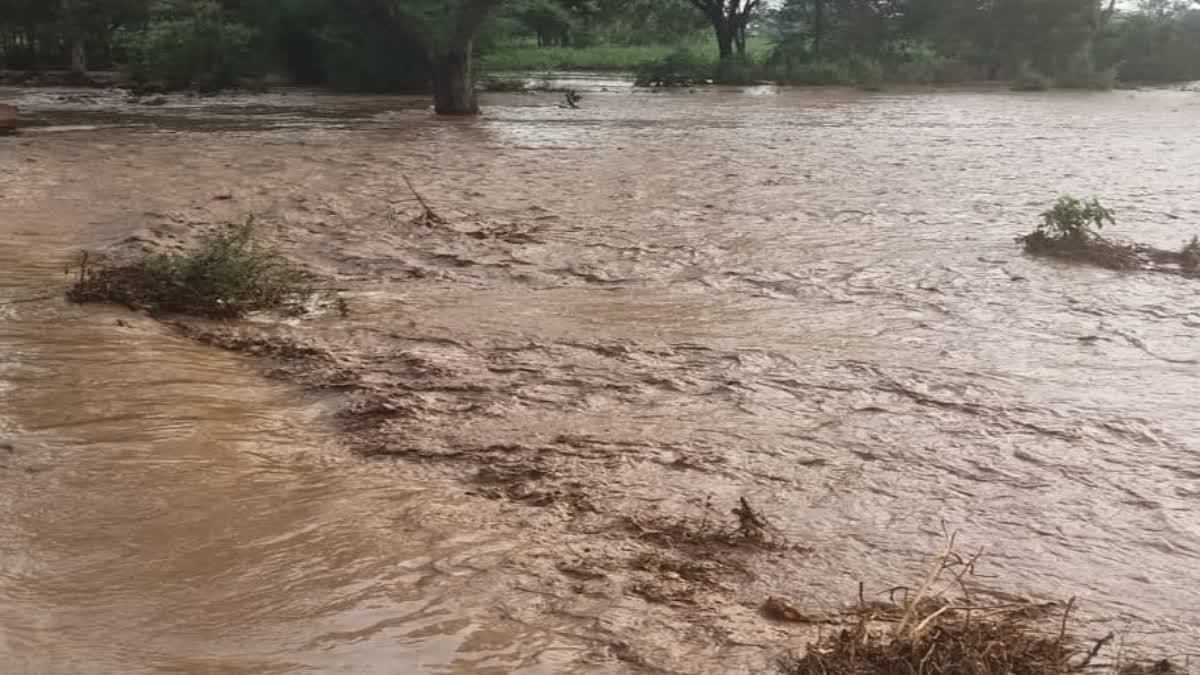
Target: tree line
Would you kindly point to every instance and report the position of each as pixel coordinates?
(396, 45)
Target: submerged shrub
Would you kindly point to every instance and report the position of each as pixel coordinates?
(814, 73)
(1069, 230)
(1189, 256)
(1081, 73)
(1074, 218)
(1030, 79)
(937, 70)
(505, 84)
(229, 275)
(678, 69)
(736, 71)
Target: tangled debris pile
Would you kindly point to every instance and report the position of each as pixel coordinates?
(228, 276)
(1069, 230)
(927, 632)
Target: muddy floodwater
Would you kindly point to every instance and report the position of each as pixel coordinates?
(629, 315)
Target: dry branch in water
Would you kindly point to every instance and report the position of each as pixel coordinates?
(428, 215)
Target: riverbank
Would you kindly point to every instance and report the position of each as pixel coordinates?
(610, 362)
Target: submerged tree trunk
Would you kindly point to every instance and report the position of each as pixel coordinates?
(79, 64)
(74, 38)
(454, 82)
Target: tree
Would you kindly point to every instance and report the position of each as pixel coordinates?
(550, 21)
(446, 30)
(729, 19)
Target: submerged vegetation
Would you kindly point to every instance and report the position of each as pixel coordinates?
(1070, 230)
(229, 275)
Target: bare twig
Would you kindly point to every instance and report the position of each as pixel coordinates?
(1095, 648)
(1062, 632)
(930, 580)
(428, 215)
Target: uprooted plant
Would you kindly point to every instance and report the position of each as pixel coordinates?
(1071, 230)
(227, 276)
(928, 631)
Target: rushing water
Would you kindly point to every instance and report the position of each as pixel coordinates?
(845, 327)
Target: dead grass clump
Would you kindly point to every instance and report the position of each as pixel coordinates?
(927, 632)
(948, 643)
(228, 276)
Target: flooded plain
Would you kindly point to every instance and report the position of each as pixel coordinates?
(632, 315)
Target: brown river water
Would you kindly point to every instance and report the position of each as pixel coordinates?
(635, 310)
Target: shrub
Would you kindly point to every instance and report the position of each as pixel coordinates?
(1081, 73)
(1066, 231)
(917, 62)
(867, 73)
(1029, 79)
(503, 84)
(229, 275)
(199, 49)
(1073, 218)
(935, 70)
(678, 69)
(814, 73)
(736, 71)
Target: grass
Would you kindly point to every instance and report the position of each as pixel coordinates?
(227, 276)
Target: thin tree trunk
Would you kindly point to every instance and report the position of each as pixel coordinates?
(454, 83)
(724, 39)
(74, 38)
(79, 64)
(818, 28)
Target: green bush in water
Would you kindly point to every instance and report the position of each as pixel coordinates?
(1074, 218)
(198, 49)
(229, 275)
